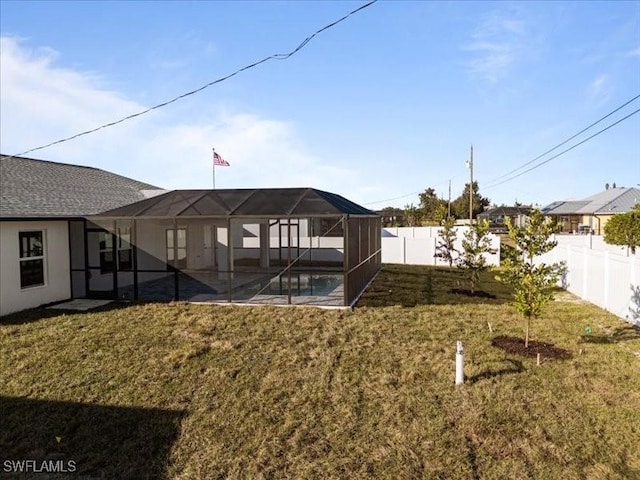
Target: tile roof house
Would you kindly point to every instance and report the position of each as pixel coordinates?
(591, 214)
(68, 231)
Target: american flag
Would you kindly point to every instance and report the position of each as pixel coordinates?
(219, 161)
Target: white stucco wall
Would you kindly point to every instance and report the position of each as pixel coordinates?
(57, 279)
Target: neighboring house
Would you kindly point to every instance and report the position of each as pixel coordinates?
(38, 201)
(591, 214)
(497, 217)
(391, 217)
(68, 231)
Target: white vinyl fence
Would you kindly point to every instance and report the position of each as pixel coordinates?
(600, 274)
(605, 275)
(417, 246)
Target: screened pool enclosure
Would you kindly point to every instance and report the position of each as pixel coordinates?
(280, 246)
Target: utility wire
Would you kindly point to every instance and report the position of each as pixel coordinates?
(491, 182)
(276, 56)
(391, 199)
(564, 151)
(412, 193)
(495, 183)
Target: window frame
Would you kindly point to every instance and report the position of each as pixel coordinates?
(175, 248)
(105, 248)
(106, 251)
(23, 259)
(124, 246)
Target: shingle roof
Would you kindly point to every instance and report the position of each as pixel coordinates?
(613, 200)
(36, 188)
(267, 202)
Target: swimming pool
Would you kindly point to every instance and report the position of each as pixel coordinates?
(302, 284)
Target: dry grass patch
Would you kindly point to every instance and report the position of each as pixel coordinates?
(265, 392)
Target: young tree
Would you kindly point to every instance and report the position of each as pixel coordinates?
(445, 248)
(624, 229)
(475, 243)
(532, 283)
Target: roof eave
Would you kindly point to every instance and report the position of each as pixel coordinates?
(200, 217)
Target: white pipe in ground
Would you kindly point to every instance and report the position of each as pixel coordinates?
(459, 363)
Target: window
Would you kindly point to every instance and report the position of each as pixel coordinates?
(31, 258)
(177, 247)
(328, 227)
(125, 256)
(107, 263)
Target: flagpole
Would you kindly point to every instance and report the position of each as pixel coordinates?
(213, 161)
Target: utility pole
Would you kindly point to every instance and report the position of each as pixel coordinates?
(470, 164)
(449, 211)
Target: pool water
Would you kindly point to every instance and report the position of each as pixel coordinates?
(302, 284)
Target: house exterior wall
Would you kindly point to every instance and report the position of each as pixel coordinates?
(591, 222)
(602, 220)
(57, 285)
(571, 223)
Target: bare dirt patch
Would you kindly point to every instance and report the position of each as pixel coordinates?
(469, 293)
(568, 297)
(516, 346)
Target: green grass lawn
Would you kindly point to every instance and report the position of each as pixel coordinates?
(204, 392)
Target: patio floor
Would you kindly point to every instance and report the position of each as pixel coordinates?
(80, 304)
(247, 287)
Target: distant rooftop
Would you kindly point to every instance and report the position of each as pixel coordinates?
(506, 211)
(31, 188)
(613, 200)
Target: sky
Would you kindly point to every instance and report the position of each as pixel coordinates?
(377, 108)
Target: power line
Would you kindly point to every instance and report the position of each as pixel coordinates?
(564, 151)
(412, 193)
(391, 199)
(492, 184)
(563, 143)
(276, 56)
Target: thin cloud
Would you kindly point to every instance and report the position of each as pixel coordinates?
(496, 45)
(42, 101)
(600, 89)
(633, 53)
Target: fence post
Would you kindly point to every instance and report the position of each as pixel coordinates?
(607, 274)
(433, 249)
(569, 267)
(585, 272)
(634, 279)
(404, 250)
